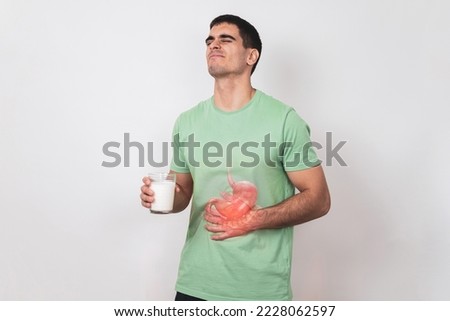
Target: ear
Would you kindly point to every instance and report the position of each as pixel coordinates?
(253, 56)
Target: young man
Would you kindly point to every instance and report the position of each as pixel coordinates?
(240, 155)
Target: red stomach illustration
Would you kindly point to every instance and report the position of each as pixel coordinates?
(239, 202)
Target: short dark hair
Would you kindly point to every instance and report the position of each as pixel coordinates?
(248, 33)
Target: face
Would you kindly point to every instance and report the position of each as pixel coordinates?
(225, 52)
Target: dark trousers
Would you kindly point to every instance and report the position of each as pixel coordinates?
(185, 297)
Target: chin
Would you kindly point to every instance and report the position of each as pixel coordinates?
(216, 72)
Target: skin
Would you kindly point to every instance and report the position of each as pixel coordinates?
(230, 64)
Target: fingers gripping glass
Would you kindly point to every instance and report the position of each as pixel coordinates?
(163, 187)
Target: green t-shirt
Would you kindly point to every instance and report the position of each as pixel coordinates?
(257, 143)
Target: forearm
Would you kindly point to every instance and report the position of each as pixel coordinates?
(182, 199)
(298, 209)
(183, 191)
(312, 202)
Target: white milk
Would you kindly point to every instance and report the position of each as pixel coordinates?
(164, 195)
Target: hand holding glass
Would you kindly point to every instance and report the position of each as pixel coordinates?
(163, 187)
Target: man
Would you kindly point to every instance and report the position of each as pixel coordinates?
(254, 151)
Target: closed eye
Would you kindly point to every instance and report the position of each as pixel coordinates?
(222, 38)
(226, 38)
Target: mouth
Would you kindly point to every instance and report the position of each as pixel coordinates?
(215, 55)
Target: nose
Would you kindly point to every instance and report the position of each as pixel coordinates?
(215, 44)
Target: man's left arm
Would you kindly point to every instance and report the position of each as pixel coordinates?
(312, 202)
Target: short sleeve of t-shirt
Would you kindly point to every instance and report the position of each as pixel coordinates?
(298, 152)
(178, 163)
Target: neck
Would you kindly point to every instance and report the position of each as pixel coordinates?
(232, 94)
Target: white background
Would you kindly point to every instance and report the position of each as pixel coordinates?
(75, 75)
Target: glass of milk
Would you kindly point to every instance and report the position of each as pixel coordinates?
(163, 187)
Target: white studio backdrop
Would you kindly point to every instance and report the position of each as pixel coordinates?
(76, 75)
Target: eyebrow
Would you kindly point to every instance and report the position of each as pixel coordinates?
(222, 36)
